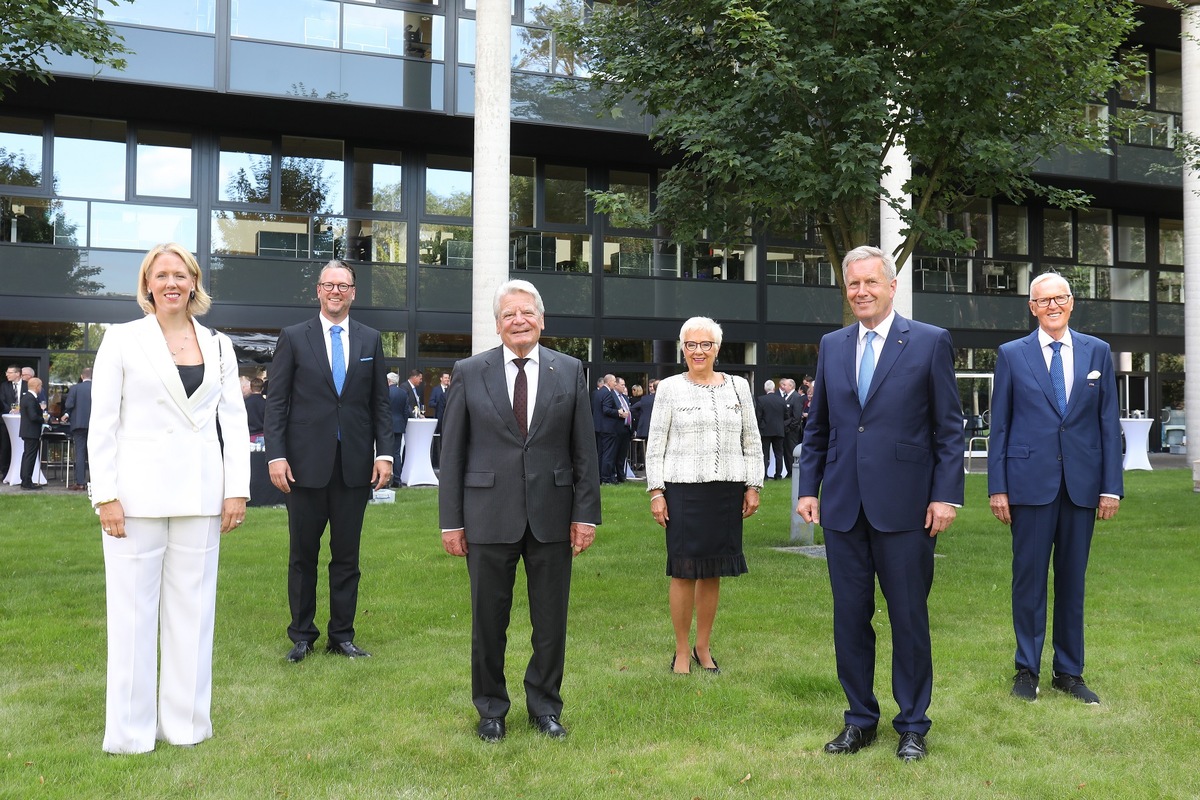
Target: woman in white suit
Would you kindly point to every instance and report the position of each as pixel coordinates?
(165, 491)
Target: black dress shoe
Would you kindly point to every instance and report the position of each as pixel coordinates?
(549, 725)
(491, 729)
(299, 652)
(911, 747)
(347, 649)
(851, 739)
(31, 488)
(715, 669)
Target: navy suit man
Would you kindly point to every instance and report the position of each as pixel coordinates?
(793, 417)
(329, 441)
(643, 410)
(884, 441)
(400, 415)
(518, 482)
(31, 432)
(1054, 466)
(78, 406)
(771, 420)
(611, 421)
(437, 405)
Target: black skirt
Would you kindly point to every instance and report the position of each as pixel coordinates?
(704, 530)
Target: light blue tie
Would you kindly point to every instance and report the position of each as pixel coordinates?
(866, 369)
(339, 358)
(1057, 379)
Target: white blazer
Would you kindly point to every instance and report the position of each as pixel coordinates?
(150, 445)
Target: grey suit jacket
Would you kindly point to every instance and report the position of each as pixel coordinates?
(493, 482)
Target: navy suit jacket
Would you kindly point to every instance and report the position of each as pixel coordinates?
(901, 450)
(396, 403)
(437, 400)
(79, 405)
(305, 412)
(772, 412)
(610, 412)
(645, 408)
(1032, 449)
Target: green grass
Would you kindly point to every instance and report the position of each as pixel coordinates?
(401, 725)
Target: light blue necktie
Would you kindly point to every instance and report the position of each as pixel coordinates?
(1057, 379)
(339, 358)
(866, 369)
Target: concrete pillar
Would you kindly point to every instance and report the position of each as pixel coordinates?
(890, 224)
(490, 204)
(1191, 232)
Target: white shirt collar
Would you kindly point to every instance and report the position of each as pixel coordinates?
(534, 355)
(1044, 339)
(883, 328)
(326, 324)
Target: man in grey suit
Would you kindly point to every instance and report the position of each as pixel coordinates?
(519, 479)
(79, 413)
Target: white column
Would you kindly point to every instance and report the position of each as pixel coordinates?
(890, 224)
(493, 89)
(1191, 234)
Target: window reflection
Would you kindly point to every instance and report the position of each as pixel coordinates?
(244, 171)
(448, 186)
(381, 30)
(1095, 236)
(123, 226)
(383, 241)
(446, 245)
(182, 15)
(311, 175)
(559, 252)
(635, 186)
(800, 266)
(378, 180)
(42, 221)
(443, 345)
(89, 158)
(1131, 239)
(1057, 235)
(164, 164)
(521, 191)
(310, 22)
(566, 201)
(20, 151)
(1170, 287)
(246, 233)
(1170, 242)
(1012, 230)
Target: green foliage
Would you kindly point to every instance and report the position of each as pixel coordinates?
(29, 29)
(781, 108)
(401, 724)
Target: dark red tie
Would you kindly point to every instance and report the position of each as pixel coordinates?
(521, 396)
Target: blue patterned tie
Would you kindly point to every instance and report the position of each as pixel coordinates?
(866, 369)
(339, 358)
(1057, 379)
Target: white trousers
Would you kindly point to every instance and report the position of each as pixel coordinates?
(162, 574)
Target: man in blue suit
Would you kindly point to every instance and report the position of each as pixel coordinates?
(1054, 466)
(884, 440)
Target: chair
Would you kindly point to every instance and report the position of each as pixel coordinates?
(975, 428)
(56, 453)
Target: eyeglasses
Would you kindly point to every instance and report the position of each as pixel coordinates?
(691, 347)
(341, 287)
(1058, 300)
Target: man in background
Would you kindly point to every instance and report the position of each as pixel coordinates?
(31, 432)
(79, 415)
(770, 412)
(437, 404)
(10, 399)
(256, 410)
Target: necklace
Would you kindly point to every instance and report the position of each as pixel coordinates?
(178, 351)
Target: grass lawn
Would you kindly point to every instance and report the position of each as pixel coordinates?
(401, 724)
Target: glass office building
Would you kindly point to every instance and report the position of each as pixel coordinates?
(271, 135)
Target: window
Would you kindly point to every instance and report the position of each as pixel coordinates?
(521, 191)
(1131, 239)
(244, 171)
(20, 151)
(1012, 230)
(1170, 242)
(311, 22)
(566, 201)
(89, 158)
(1057, 234)
(163, 164)
(311, 175)
(448, 186)
(378, 180)
(182, 15)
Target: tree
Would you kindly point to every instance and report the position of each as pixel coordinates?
(780, 111)
(31, 29)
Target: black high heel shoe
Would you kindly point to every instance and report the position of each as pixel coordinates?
(715, 669)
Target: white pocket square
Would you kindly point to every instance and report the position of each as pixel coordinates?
(1091, 376)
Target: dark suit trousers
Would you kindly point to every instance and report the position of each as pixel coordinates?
(1066, 530)
(609, 446)
(79, 442)
(775, 443)
(342, 507)
(493, 570)
(29, 459)
(622, 455)
(903, 563)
